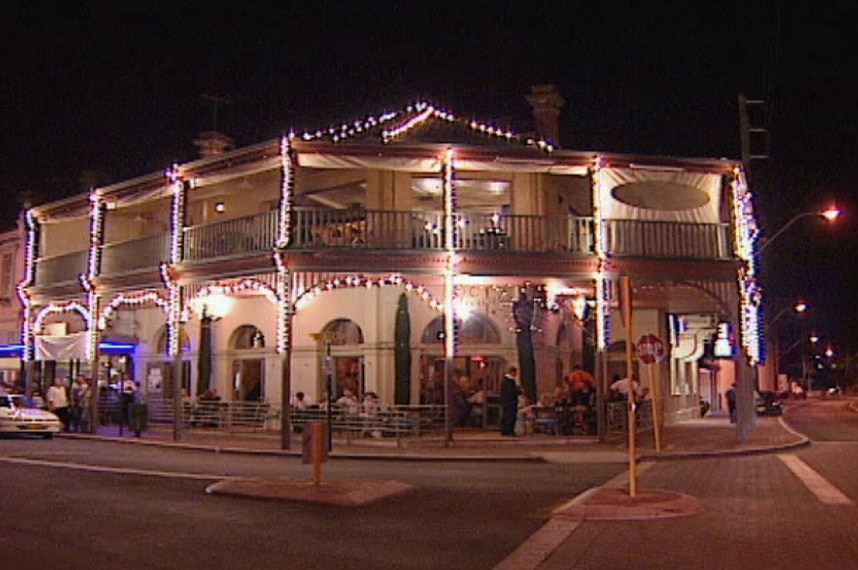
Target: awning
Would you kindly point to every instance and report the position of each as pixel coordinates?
(66, 347)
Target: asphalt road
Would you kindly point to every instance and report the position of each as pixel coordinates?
(759, 513)
(84, 504)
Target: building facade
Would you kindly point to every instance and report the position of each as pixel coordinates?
(12, 244)
(328, 260)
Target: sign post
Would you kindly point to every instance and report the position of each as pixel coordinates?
(652, 351)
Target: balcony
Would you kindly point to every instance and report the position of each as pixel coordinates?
(364, 230)
(135, 255)
(636, 238)
(242, 236)
(60, 269)
(376, 229)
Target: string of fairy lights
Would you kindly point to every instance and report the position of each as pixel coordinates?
(746, 232)
(168, 270)
(603, 288)
(412, 117)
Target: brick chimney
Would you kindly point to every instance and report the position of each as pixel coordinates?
(213, 143)
(546, 102)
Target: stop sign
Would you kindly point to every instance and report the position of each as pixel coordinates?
(651, 349)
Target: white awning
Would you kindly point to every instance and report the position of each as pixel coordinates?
(666, 195)
(66, 347)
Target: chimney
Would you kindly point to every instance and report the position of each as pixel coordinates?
(546, 102)
(213, 143)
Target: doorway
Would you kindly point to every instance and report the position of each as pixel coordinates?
(248, 380)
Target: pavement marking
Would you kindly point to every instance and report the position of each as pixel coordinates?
(540, 545)
(103, 469)
(816, 483)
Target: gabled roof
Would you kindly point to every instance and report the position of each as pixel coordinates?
(425, 123)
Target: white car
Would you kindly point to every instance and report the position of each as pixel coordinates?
(17, 417)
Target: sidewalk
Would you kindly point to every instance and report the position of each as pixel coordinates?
(713, 435)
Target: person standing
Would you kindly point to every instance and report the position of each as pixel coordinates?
(731, 402)
(75, 410)
(58, 402)
(85, 400)
(509, 390)
(126, 398)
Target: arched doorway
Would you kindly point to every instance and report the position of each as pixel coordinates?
(248, 366)
(159, 374)
(477, 367)
(345, 365)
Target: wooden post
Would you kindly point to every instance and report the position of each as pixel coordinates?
(315, 448)
(626, 310)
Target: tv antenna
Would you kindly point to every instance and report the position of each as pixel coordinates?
(217, 102)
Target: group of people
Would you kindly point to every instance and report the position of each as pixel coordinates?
(570, 409)
(70, 400)
(366, 412)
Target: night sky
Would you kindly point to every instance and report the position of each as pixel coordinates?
(98, 94)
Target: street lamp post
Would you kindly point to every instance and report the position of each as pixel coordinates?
(798, 308)
(830, 215)
(745, 398)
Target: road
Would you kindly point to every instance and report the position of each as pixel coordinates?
(85, 504)
(760, 513)
(70, 504)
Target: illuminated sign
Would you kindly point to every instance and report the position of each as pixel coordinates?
(723, 343)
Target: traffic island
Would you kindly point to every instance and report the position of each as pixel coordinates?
(608, 504)
(344, 493)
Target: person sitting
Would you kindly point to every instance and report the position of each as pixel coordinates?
(349, 402)
(300, 402)
(582, 402)
(620, 388)
(370, 412)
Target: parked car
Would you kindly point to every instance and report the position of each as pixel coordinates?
(16, 417)
(767, 404)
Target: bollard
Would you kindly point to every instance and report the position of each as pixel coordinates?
(314, 448)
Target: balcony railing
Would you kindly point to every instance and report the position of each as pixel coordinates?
(61, 268)
(242, 236)
(668, 239)
(134, 255)
(378, 229)
(319, 228)
(540, 234)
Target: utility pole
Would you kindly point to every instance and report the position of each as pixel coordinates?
(752, 136)
(746, 418)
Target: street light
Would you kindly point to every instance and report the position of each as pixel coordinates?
(771, 333)
(829, 215)
(799, 307)
(807, 379)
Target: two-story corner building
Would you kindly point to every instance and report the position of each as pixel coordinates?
(340, 251)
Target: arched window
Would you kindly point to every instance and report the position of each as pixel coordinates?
(161, 345)
(342, 332)
(247, 337)
(477, 329)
